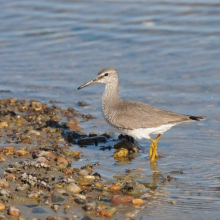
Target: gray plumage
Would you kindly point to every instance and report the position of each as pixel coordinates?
(131, 115)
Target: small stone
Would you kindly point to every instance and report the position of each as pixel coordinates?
(82, 103)
(67, 206)
(57, 199)
(89, 177)
(83, 172)
(23, 187)
(37, 106)
(33, 195)
(114, 187)
(79, 201)
(13, 211)
(137, 201)
(21, 153)
(2, 159)
(73, 188)
(4, 124)
(55, 207)
(10, 176)
(61, 160)
(7, 150)
(86, 217)
(85, 182)
(4, 183)
(2, 206)
(121, 199)
(92, 140)
(121, 153)
(150, 185)
(90, 206)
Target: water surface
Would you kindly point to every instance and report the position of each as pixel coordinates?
(167, 54)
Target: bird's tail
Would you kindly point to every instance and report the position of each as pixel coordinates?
(197, 118)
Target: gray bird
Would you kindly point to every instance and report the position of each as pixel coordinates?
(133, 118)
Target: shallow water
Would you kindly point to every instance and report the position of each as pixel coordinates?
(167, 54)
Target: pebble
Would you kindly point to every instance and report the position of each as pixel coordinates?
(115, 187)
(10, 176)
(4, 183)
(90, 206)
(121, 199)
(79, 201)
(150, 185)
(61, 160)
(137, 201)
(56, 198)
(89, 177)
(92, 140)
(21, 153)
(55, 207)
(13, 211)
(2, 206)
(4, 124)
(73, 188)
(86, 217)
(7, 150)
(2, 159)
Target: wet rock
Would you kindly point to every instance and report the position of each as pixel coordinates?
(80, 196)
(84, 172)
(36, 106)
(134, 188)
(86, 217)
(121, 199)
(150, 185)
(2, 206)
(71, 135)
(92, 140)
(115, 187)
(3, 124)
(121, 153)
(57, 218)
(57, 199)
(38, 211)
(82, 103)
(108, 213)
(23, 187)
(89, 177)
(21, 153)
(85, 182)
(13, 211)
(126, 144)
(137, 201)
(55, 207)
(7, 150)
(33, 195)
(2, 159)
(79, 201)
(62, 160)
(5, 193)
(90, 206)
(73, 188)
(10, 176)
(4, 183)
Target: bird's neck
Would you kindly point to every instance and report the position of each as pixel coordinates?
(110, 95)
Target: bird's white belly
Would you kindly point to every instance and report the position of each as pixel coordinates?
(141, 133)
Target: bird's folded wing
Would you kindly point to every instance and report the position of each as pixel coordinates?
(134, 115)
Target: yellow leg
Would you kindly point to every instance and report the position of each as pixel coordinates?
(153, 148)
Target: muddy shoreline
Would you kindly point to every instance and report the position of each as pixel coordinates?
(41, 177)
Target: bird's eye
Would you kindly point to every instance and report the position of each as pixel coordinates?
(106, 74)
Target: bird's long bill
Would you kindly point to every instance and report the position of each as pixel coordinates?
(89, 83)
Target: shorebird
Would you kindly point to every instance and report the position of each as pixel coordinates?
(136, 119)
